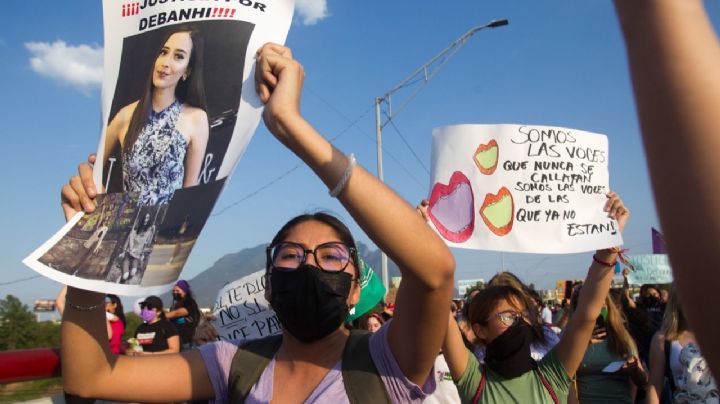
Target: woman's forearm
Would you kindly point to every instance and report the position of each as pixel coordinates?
(85, 352)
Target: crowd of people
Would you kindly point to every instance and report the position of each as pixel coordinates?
(499, 347)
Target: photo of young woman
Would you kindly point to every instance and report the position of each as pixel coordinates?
(162, 136)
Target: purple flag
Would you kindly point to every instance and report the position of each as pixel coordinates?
(658, 242)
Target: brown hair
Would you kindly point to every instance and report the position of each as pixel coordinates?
(190, 91)
(510, 279)
(483, 304)
(619, 340)
(674, 322)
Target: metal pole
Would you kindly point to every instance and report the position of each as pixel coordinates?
(378, 138)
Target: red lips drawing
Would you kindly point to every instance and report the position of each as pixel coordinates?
(498, 211)
(451, 208)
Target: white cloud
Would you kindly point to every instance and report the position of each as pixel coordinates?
(311, 11)
(80, 66)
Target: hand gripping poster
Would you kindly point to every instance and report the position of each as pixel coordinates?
(178, 110)
(521, 188)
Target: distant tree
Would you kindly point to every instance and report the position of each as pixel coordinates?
(17, 324)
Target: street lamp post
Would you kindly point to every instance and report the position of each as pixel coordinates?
(423, 74)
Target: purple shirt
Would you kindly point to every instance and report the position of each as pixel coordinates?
(218, 358)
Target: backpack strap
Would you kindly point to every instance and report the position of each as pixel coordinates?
(360, 376)
(481, 386)
(668, 369)
(549, 388)
(248, 364)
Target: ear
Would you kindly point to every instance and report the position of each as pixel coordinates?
(354, 293)
(479, 331)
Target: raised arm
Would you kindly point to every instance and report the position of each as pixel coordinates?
(674, 57)
(574, 341)
(454, 350)
(425, 261)
(657, 369)
(89, 368)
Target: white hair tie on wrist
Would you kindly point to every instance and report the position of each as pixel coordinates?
(346, 176)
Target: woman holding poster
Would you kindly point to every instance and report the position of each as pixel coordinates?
(163, 135)
(311, 260)
(500, 319)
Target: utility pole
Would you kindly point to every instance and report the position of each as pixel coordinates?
(421, 75)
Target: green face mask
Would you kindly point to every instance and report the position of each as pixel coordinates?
(603, 313)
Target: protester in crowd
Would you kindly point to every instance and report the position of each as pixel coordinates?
(116, 318)
(163, 135)
(642, 316)
(543, 337)
(600, 377)
(184, 313)
(373, 322)
(499, 316)
(205, 331)
(675, 357)
(674, 53)
(156, 334)
(312, 280)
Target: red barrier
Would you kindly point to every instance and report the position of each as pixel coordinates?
(29, 364)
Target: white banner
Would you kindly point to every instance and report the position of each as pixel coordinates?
(521, 188)
(241, 311)
(179, 108)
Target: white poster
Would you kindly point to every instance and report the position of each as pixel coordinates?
(521, 188)
(241, 311)
(179, 108)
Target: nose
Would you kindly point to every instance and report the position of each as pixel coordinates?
(310, 258)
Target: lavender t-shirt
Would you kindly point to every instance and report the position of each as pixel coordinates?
(218, 358)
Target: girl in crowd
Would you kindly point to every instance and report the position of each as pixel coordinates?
(156, 334)
(184, 313)
(373, 322)
(675, 356)
(499, 317)
(610, 344)
(543, 337)
(163, 135)
(312, 278)
(116, 320)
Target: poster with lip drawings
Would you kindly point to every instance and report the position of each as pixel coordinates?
(520, 188)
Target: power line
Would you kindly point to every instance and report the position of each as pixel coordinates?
(20, 280)
(392, 123)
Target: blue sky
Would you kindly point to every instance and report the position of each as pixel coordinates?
(557, 63)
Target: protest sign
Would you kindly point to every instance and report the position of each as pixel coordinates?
(179, 107)
(521, 188)
(241, 311)
(650, 268)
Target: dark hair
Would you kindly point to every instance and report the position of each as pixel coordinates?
(531, 298)
(190, 91)
(342, 232)
(119, 311)
(482, 305)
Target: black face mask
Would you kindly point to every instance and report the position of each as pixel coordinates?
(651, 302)
(509, 353)
(177, 296)
(309, 302)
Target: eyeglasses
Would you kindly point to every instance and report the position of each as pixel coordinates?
(331, 257)
(508, 318)
(147, 306)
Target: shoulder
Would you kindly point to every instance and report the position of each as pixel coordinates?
(194, 114)
(169, 327)
(126, 112)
